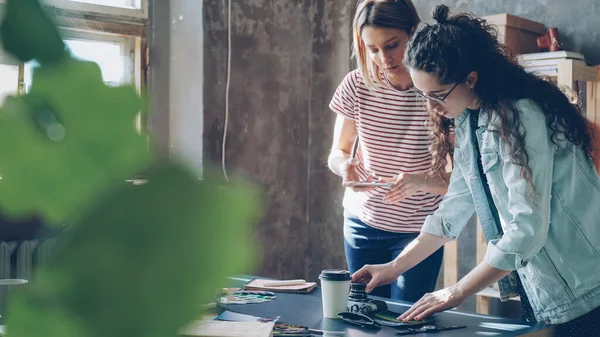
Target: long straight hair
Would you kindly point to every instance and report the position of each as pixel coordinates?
(398, 14)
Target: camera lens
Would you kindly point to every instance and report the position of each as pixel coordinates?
(357, 292)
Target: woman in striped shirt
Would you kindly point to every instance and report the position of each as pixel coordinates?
(385, 121)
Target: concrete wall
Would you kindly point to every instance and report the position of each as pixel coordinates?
(288, 57)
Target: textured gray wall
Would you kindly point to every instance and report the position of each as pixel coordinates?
(577, 20)
(288, 57)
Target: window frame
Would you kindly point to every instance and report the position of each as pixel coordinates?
(103, 23)
(129, 43)
(7, 59)
(95, 9)
(18, 83)
(79, 20)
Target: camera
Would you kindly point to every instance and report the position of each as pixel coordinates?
(358, 302)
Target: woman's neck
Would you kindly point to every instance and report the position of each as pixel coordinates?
(475, 104)
(401, 81)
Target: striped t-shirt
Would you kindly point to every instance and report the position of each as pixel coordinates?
(393, 138)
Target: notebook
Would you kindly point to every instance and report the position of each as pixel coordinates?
(227, 329)
(259, 284)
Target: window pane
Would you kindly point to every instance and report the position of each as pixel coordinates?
(28, 73)
(9, 81)
(112, 58)
(114, 3)
(108, 55)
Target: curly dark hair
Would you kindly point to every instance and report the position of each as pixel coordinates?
(457, 45)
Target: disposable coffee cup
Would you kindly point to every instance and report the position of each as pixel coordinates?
(335, 286)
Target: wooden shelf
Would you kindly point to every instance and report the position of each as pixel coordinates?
(567, 71)
(483, 299)
(491, 292)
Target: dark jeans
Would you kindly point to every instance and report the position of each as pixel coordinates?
(527, 314)
(367, 245)
(586, 325)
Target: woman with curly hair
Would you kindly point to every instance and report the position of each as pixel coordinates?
(523, 162)
(384, 120)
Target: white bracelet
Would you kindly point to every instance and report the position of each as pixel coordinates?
(336, 158)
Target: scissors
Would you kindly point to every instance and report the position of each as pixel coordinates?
(429, 328)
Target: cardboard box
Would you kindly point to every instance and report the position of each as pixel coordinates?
(518, 34)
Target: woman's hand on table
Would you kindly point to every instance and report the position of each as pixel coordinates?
(430, 303)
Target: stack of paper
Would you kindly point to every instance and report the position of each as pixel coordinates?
(228, 329)
(546, 64)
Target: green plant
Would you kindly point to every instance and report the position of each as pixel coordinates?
(137, 260)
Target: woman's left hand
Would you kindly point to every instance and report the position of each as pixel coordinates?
(405, 185)
(430, 303)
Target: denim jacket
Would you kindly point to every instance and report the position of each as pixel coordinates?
(551, 239)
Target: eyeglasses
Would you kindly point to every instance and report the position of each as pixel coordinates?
(440, 100)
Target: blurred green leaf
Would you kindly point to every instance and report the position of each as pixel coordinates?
(65, 143)
(143, 261)
(28, 33)
(48, 319)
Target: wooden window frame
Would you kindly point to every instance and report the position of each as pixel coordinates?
(121, 13)
(84, 18)
(104, 23)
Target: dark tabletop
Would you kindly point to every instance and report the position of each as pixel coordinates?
(306, 309)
